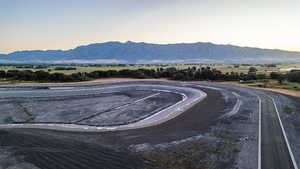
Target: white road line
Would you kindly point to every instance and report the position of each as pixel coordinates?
(142, 99)
(236, 107)
(139, 100)
(184, 97)
(259, 132)
(204, 86)
(284, 134)
(157, 118)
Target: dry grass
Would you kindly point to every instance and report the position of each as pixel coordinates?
(80, 68)
(275, 88)
(223, 68)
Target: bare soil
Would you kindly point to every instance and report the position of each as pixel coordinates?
(103, 80)
(56, 149)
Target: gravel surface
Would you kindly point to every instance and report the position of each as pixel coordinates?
(289, 109)
(91, 109)
(221, 131)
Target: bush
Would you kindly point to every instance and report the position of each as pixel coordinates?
(2, 74)
(274, 75)
(293, 76)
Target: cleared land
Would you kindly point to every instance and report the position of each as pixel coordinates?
(100, 108)
(213, 133)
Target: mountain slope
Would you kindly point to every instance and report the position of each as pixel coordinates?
(131, 52)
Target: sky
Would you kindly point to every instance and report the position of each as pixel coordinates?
(65, 24)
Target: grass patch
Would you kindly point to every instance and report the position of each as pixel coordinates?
(223, 68)
(291, 87)
(12, 82)
(26, 111)
(236, 150)
(82, 68)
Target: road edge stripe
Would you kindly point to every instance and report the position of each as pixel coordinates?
(259, 132)
(284, 134)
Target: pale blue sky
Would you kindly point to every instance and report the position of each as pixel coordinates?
(65, 24)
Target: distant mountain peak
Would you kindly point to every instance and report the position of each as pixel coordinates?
(129, 42)
(141, 52)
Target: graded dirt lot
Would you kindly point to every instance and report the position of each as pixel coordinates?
(217, 131)
(103, 80)
(100, 109)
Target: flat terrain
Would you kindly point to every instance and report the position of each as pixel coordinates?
(275, 153)
(291, 89)
(218, 131)
(81, 68)
(223, 68)
(104, 80)
(98, 108)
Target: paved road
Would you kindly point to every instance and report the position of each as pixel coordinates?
(274, 150)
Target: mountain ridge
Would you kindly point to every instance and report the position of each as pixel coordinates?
(141, 52)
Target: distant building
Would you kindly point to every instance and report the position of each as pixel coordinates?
(244, 81)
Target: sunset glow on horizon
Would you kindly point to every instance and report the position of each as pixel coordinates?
(64, 24)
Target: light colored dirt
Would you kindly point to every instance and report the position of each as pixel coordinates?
(104, 80)
(278, 90)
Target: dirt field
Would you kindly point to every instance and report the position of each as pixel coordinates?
(90, 105)
(199, 138)
(104, 80)
(71, 151)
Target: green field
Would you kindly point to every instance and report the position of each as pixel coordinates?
(260, 68)
(79, 68)
(276, 84)
(223, 68)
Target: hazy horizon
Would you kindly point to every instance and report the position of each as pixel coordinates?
(296, 50)
(56, 24)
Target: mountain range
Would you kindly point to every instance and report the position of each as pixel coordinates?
(132, 52)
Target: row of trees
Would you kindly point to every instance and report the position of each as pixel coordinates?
(192, 73)
(291, 76)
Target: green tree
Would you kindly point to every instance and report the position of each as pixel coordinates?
(293, 76)
(274, 75)
(2, 74)
(252, 70)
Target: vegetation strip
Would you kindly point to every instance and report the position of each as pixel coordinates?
(190, 73)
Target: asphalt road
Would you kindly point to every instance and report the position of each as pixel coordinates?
(274, 150)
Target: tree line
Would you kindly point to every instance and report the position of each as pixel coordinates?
(173, 73)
